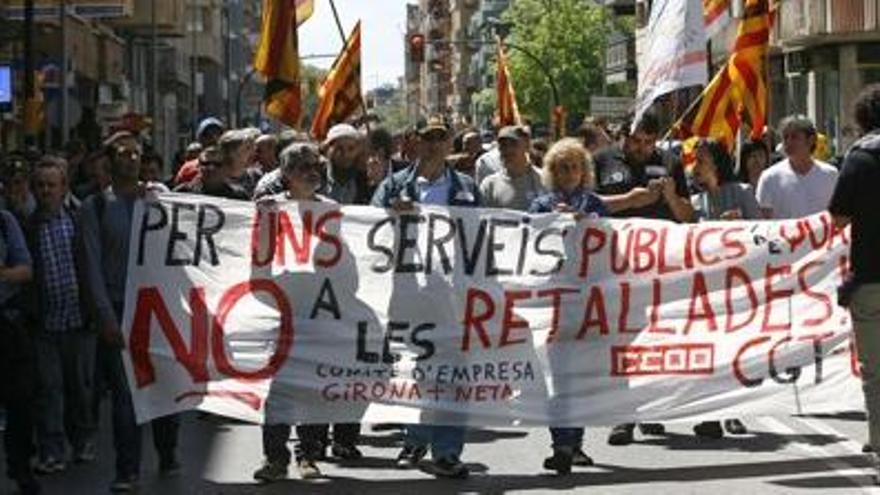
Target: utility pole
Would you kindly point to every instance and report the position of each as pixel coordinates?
(29, 66)
(193, 66)
(154, 75)
(63, 110)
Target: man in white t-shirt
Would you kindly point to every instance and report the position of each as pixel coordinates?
(798, 186)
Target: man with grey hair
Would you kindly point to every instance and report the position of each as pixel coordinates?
(798, 186)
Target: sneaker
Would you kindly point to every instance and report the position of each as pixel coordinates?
(168, 466)
(346, 452)
(87, 453)
(621, 434)
(124, 484)
(735, 427)
(49, 465)
(580, 458)
(560, 461)
(450, 468)
(271, 471)
(652, 429)
(410, 456)
(308, 470)
(709, 429)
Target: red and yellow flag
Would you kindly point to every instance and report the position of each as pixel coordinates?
(740, 87)
(716, 15)
(340, 93)
(508, 111)
(277, 57)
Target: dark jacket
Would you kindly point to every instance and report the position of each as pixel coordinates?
(35, 304)
(463, 191)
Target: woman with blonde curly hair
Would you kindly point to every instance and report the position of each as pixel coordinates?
(568, 176)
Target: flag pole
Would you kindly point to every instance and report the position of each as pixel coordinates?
(344, 43)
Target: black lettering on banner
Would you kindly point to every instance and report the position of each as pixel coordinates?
(492, 268)
(372, 245)
(426, 345)
(326, 301)
(148, 224)
(205, 232)
(409, 242)
(176, 235)
(543, 251)
(523, 246)
(363, 355)
(438, 242)
(471, 254)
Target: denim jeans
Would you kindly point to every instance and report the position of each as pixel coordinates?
(865, 309)
(447, 442)
(567, 437)
(66, 370)
(126, 431)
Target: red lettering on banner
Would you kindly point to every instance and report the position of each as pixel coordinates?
(821, 297)
(737, 249)
(556, 298)
(701, 293)
(256, 259)
(511, 322)
(674, 359)
(689, 249)
(595, 304)
(653, 314)
(474, 321)
(854, 357)
(149, 302)
(285, 331)
(701, 236)
(737, 366)
(796, 239)
(819, 242)
(588, 249)
(662, 253)
(301, 246)
(623, 320)
(771, 295)
(620, 268)
(329, 238)
(737, 273)
(644, 258)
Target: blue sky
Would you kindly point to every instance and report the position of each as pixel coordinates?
(383, 25)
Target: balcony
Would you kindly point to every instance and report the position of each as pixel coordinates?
(169, 14)
(807, 22)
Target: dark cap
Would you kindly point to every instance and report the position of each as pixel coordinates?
(434, 123)
(513, 132)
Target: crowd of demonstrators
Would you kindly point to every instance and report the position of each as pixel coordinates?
(66, 221)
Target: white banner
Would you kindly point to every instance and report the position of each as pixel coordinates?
(675, 54)
(481, 317)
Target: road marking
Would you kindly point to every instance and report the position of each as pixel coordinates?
(855, 474)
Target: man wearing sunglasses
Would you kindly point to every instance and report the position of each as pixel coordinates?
(431, 180)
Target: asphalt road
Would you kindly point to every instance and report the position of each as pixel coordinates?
(816, 455)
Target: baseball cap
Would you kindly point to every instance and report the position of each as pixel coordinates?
(513, 132)
(434, 123)
(340, 131)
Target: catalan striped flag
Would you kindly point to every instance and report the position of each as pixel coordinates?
(716, 15)
(508, 111)
(277, 57)
(340, 93)
(740, 87)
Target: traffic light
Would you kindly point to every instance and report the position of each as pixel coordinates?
(417, 48)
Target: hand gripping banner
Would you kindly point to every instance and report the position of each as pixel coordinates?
(305, 312)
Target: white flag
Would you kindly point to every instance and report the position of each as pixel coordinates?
(676, 51)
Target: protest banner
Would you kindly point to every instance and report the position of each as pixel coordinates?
(315, 312)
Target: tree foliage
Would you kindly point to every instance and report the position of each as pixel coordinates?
(570, 37)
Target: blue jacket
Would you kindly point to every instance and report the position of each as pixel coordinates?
(463, 191)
